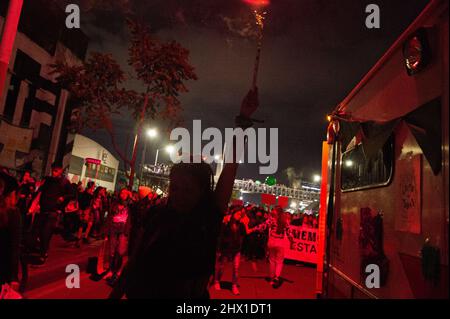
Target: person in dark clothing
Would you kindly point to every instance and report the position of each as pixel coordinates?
(260, 237)
(25, 194)
(139, 214)
(56, 192)
(176, 256)
(118, 230)
(233, 231)
(296, 221)
(157, 268)
(85, 200)
(71, 218)
(251, 240)
(100, 205)
(10, 232)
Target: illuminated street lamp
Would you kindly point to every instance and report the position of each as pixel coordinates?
(170, 149)
(316, 178)
(151, 133)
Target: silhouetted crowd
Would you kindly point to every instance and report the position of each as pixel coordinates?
(32, 211)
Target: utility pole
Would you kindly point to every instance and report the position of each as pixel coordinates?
(8, 36)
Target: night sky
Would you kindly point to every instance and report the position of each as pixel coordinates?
(314, 53)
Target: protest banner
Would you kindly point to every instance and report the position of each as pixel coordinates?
(303, 246)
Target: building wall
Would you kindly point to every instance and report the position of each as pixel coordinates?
(31, 98)
(84, 148)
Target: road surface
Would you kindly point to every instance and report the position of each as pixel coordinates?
(49, 281)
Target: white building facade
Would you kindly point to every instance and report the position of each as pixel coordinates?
(90, 161)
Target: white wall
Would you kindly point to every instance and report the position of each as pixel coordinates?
(86, 148)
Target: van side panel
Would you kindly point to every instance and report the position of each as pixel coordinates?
(390, 94)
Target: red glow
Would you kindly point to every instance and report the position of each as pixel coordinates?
(257, 3)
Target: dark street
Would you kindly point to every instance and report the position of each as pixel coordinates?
(48, 281)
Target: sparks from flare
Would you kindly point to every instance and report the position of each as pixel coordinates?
(259, 17)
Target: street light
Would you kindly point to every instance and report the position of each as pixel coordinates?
(151, 133)
(169, 149)
(316, 178)
(348, 163)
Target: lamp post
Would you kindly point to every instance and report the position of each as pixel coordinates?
(156, 156)
(169, 149)
(151, 133)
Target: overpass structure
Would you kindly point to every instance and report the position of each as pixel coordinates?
(307, 194)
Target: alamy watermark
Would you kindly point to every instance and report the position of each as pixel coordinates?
(373, 277)
(73, 18)
(373, 19)
(261, 145)
(73, 279)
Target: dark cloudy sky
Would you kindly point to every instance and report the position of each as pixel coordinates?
(315, 52)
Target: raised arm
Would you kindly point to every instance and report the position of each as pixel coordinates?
(225, 184)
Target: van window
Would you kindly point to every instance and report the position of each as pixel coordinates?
(359, 172)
